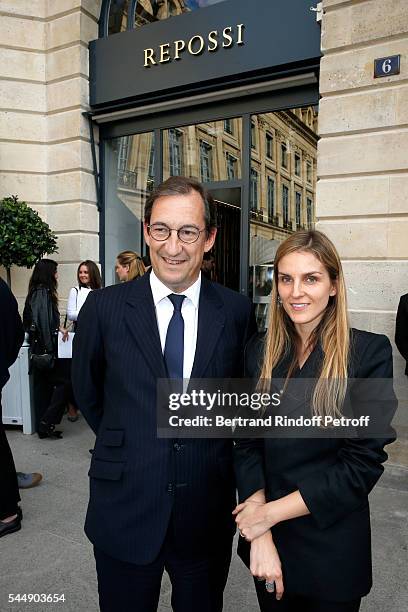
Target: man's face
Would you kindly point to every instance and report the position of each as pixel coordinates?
(176, 263)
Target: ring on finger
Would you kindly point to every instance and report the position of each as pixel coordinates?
(270, 586)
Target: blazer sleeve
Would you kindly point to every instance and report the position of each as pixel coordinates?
(401, 327)
(333, 493)
(72, 305)
(248, 453)
(88, 363)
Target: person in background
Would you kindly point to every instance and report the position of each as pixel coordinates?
(41, 319)
(11, 339)
(401, 329)
(89, 279)
(306, 499)
(208, 266)
(129, 265)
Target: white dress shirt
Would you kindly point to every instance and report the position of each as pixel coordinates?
(189, 312)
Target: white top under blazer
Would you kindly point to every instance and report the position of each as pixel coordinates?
(76, 300)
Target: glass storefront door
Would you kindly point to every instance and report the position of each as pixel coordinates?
(281, 192)
(260, 169)
(129, 179)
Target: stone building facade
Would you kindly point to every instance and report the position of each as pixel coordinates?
(362, 161)
(362, 191)
(45, 155)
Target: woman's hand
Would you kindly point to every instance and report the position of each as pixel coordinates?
(265, 563)
(64, 333)
(252, 519)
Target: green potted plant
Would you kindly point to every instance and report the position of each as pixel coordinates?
(24, 236)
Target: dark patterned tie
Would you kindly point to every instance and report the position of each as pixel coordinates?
(174, 346)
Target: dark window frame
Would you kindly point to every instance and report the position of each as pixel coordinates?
(206, 155)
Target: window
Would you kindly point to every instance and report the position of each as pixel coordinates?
(285, 205)
(309, 172)
(206, 162)
(298, 202)
(228, 126)
(123, 152)
(176, 152)
(284, 155)
(118, 13)
(269, 145)
(231, 166)
(253, 135)
(148, 12)
(126, 178)
(298, 170)
(309, 212)
(253, 193)
(271, 198)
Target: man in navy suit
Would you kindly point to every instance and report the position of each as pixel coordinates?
(155, 503)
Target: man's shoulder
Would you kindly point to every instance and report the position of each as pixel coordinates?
(404, 299)
(116, 292)
(229, 296)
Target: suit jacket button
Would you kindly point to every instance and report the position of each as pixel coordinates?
(170, 488)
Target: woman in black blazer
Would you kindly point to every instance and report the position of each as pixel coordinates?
(304, 513)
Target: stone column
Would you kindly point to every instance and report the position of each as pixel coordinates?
(45, 154)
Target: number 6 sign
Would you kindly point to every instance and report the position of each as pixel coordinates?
(387, 66)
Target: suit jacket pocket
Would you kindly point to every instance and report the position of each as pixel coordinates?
(106, 470)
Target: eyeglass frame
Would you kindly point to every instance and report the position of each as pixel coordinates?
(173, 229)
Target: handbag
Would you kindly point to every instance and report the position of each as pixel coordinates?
(45, 361)
(38, 357)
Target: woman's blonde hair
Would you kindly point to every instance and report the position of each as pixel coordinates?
(333, 331)
(135, 263)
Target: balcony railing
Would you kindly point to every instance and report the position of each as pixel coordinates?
(127, 178)
(273, 220)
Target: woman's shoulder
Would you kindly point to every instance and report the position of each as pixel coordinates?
(361, 339)
(39, 292)
(369, 351)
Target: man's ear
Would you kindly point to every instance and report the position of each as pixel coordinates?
(210, 239)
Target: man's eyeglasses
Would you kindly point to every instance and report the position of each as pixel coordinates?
(186, 233)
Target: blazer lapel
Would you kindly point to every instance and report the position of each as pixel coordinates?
(140, 318)
(211, 322)
(300, 386)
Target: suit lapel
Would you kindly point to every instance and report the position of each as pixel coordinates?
(211, 322)
(140, 318)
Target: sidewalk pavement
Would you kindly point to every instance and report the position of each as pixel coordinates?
(52, 555)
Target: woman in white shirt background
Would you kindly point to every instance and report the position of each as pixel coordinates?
(89, 279)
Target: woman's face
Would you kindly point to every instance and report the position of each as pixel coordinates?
(83, 275)
(304, 287)
(122, 271)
